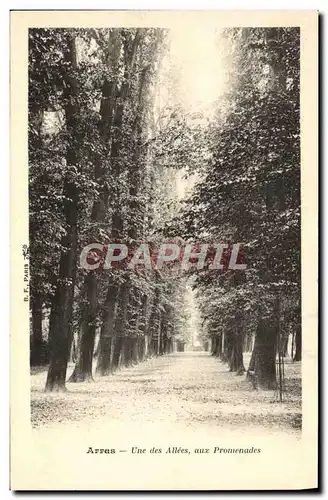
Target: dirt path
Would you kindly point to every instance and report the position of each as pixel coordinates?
(146, 417)
(192, 389)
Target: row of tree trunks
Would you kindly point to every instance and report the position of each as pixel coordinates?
(154, 324)
(236, 358)
(262, 365)
(83, 366)
(106, 332)
(134, 313)
(298, 343)
(142, 328)
(122, 339)
(120, 323)
(228, 346)
(113, 347)
(141, 345)
(216, 345)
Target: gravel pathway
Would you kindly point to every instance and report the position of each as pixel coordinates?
(192, 389)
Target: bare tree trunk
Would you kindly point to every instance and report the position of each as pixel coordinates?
(212, 345)
(62, 309)
(141, 348)
(163, 333)
(251, 366)
(120, 323)
(83, 367)
(107, 331)
(135, 351)
(229, 347)
(142, 328)
(127, 351)
(285, 346)
(218, 349)
(298, 344)
(36, 348)
(265, 354)
(119, 97)
(236, 360)
(154, 325)
(118, 347)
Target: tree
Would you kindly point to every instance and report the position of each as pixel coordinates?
(62, 308)
(250, 190)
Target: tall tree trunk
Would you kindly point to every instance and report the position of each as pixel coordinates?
(120, 323)
(223, 345)
(228, 348)
(142, 328)
(166, 345)
(127, 351)
(163, 332)
(62, 309)
(285, 345)
(218, 345)
(298, 344)
(107, 331)
(83, 367)
(133, 318)
(265, 353)
(268, 331)
(213, 340)
(154, 325)
(118, 347)
(141, 348)
(135, 350)
(36, 348)
(236, 360)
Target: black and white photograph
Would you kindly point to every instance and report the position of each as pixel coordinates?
(162, 275)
